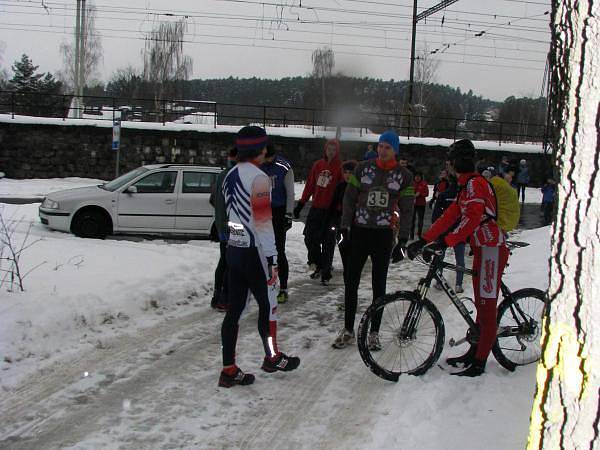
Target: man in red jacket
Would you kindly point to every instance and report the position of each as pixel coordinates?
(323, 178)
(472, 217)
(421, 193)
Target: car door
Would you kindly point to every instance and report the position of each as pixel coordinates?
(194, 212)
(152, 206)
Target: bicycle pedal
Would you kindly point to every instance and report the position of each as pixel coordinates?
(454, 343)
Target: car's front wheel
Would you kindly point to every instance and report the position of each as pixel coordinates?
(91, 223)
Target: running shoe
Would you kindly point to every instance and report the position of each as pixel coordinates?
(281, 362)
(343, 339)
(373, 342)
(239, 378)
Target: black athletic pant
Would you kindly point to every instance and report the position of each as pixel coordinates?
(279, 224)
(328, 249)
(418, 214)
(220, 292)
(315, 236)
(245, 273)
(521, 191)
(364, 243)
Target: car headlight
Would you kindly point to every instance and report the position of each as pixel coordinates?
(49, 204)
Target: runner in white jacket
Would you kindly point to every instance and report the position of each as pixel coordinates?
(251, 258)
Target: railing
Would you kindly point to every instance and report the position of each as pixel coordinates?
(215, 113)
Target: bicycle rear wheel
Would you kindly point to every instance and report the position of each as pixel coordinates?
(520, 328)
(411, 335)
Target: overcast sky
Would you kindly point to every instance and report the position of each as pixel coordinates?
(275, 39)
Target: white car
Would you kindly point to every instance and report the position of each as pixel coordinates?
(153, 199)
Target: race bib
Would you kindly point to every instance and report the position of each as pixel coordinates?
(238, 236)
(378, 199)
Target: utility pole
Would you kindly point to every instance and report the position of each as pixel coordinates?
(75, 103)
(82, 56)
(416, 19)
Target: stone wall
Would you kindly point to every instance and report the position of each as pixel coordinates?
(49, 151)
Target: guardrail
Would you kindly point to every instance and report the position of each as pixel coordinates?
(213, 114)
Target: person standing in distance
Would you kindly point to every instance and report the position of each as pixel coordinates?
(373, 207)
(323, 178)
(251, 257)
(281, 174)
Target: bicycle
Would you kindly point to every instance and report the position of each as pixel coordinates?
(412, 328)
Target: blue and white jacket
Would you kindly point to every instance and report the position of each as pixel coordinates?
(247, 192)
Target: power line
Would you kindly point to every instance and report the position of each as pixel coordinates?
(278, 47)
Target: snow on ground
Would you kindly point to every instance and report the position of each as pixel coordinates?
(113, 345)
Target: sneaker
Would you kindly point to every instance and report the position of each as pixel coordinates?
(316, 274)
(373, 342)
(239, 378)
(281, 362)
(282, 297)
(459, 289)
(343, 339)
(474, 370)
(465, 359)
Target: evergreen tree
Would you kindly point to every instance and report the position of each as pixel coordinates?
(37, 94)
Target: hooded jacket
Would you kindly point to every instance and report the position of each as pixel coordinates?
(323, 178)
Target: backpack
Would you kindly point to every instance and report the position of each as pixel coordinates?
(508, 209)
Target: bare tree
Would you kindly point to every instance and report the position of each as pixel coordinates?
(566, 409)
(91, 54)
(426, 68)
(164, 62)
(323, 63)
(3, 72)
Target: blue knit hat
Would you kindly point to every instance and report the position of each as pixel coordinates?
(391, 138)
(250, 141)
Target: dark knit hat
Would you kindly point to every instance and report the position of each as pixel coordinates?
(250, 141)
(349, 166)
(391, 137)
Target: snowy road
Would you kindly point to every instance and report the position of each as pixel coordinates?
(157, 389)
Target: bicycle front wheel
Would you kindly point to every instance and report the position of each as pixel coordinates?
(520, 328)
(411, 335)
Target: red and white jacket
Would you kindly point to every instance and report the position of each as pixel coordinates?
(470, 216)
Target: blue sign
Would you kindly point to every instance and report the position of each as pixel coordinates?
(116, 140)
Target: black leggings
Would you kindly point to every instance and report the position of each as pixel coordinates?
(245, 273)
(417, 219)
(365, 242)
(279, 223)
(317, 237)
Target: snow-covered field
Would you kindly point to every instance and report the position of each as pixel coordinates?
(113, 345)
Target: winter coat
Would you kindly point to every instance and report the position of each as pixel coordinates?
(470, 216)
(322, 180)
(421, 192)
(282, 183)
(548, 193)
(523, 175)
(377, 197)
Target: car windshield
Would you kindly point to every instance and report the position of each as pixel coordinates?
(123, 179)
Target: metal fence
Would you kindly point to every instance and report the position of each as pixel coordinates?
(216, 113)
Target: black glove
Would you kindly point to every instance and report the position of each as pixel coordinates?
(415, 248)
(434, 248)
(297, 210)
(399, 251)
(287, 222)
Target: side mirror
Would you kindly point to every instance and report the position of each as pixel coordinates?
(131, 190)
